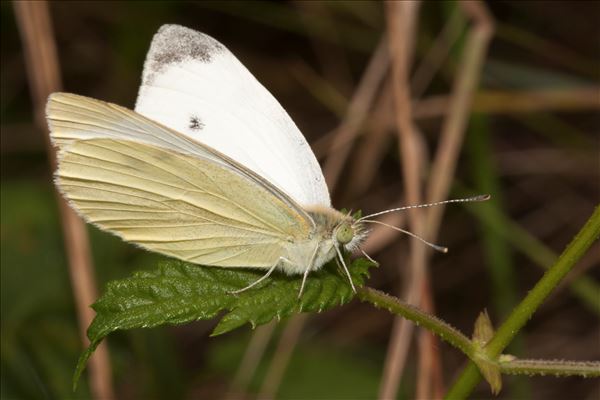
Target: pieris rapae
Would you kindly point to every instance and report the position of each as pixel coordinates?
(209, 168)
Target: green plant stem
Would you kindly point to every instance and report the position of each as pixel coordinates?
(464, 344)
(412, 313)
(521, 314)
(583, 287)
(586, 369)
(498, 253)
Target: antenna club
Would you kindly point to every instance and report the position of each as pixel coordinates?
(441, 249)
(482, 197)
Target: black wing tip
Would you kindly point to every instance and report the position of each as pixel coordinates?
(174, 44)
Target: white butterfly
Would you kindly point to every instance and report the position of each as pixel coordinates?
(209, 168)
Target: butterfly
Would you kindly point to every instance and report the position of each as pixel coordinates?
(209, 168)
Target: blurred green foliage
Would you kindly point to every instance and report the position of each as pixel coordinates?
(39, 335)
(317, 370)
(40, 340)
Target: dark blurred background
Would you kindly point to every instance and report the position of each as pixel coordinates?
(539, 158)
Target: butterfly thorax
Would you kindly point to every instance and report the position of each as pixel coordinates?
(332, 229)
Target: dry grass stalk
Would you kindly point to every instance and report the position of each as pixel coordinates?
(401, 21)
(372, 146)
(454, 127)
(254, 353)
(281, 359)
(442, 170)
(430, 382)
(430, 375)
(35, 26)
(436, 55)
(357, 112)
(515, 101)
(503, 102)
(444, 162)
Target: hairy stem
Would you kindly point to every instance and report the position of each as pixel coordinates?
(523, 312)
(412, 313)
(509, 365)
(586, 369)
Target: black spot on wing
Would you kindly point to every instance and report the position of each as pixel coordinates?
(196, 123)
(174, 44)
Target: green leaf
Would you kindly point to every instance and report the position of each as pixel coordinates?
(484, 330)
(483, 333)
(178, 293)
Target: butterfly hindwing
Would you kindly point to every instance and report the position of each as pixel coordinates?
(73, 117)
(165, 192)
(182, 206)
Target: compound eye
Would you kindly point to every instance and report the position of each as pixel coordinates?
(344, 233)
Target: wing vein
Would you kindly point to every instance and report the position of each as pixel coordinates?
(183, 159)
(168, 205)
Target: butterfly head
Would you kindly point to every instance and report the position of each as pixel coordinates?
(350, 233)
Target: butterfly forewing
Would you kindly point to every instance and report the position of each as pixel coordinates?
(194, 85)
(72, 117)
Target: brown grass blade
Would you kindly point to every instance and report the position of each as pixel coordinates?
(515, 101)
(283, 353)
(401, 21)
(357, 112)
(252, 357)
(35, 26)
(450, 144)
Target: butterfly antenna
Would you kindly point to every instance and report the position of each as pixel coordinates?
(482, 197)
(441, 249)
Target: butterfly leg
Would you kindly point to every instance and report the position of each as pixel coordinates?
(368, 256)
(341, 258)
(303, 282)
(308, 268)
(265, 276)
